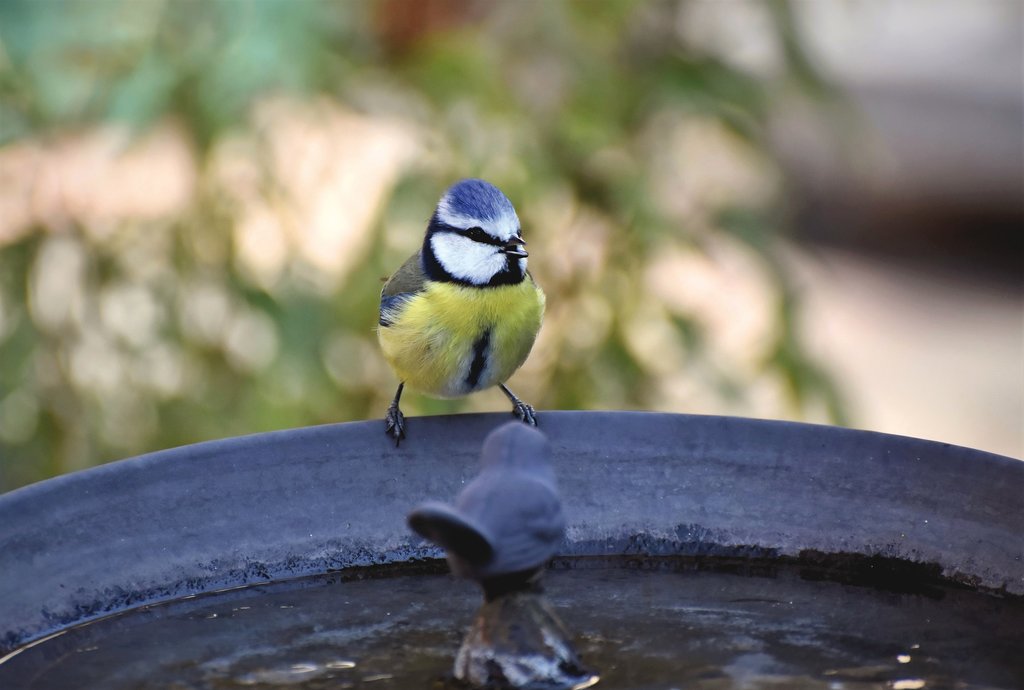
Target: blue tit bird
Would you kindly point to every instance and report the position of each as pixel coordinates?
(508, 521)
(461, 314)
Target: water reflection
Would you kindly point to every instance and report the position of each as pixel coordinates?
(646, 630)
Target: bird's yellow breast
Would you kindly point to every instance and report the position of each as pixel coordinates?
(449, 340)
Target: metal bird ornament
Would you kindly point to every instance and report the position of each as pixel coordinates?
(508, 521)
(504, 527)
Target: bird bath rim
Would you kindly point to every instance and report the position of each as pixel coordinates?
(298, 502)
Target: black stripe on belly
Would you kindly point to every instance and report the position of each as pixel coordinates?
(479, 359)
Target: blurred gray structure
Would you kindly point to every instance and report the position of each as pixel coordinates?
(908, 198)
(938, 88)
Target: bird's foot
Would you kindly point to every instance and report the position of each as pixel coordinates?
(521, 410)
(394, 422)
(524, 412)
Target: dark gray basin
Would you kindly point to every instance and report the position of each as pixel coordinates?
(278, 505)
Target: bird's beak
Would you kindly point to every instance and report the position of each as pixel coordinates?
(514, 246)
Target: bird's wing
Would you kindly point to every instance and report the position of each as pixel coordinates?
(403, 284)
(443, 525)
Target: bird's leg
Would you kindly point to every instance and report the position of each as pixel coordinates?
(519, 408)
(394, 420)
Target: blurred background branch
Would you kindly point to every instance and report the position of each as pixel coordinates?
(198, 202)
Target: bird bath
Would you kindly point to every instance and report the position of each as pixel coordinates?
(705, 552)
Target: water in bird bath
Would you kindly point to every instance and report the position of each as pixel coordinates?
(659, 626)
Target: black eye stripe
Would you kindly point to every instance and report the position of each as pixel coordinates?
(479, 235)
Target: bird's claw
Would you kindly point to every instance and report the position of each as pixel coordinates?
(525, 413)
(394, 422)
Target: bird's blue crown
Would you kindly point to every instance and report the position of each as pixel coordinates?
(479, 199)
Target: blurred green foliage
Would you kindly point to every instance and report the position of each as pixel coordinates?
(124, 333)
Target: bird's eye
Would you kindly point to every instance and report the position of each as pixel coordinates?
(479, 235)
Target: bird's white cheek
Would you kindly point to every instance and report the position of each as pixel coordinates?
(466, 259)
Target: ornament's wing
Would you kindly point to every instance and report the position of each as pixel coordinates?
(453, 531)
